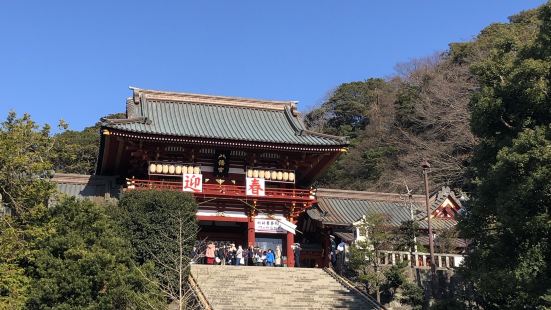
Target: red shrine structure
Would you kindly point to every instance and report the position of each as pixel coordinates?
(248, 162)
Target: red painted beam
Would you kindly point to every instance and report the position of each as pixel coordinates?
(222, 218)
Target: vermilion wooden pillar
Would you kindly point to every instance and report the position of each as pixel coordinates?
(290, 253)
(250, 231)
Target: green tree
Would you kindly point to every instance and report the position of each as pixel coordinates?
(24, 163)
(406, 235)
(395, 277)
(14, 283)
(365, 254)
(77, 151)
(82, 262)
(162, 228)
(346, 111)
(412, 295)
(508, 220)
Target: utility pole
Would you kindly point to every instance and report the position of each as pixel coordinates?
(426, 166)
(411, 207)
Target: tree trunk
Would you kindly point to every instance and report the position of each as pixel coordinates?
(378, 294)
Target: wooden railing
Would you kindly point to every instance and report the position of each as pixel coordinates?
(419, 259)
(234, 191)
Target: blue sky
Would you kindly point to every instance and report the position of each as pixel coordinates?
(74, 60)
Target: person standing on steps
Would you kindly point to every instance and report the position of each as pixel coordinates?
(278, 256)
(297, 250)
(222, 254)
(340, 257)
(270, 258)
(250, 256)
(209, 253)
(231, 254)
(263, 258)
(239, 256)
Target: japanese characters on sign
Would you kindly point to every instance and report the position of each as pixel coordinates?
(268, 226)
(256, 187)
(192, 182)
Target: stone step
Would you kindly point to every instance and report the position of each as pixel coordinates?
(252, 287)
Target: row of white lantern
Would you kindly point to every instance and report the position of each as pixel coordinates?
(286, 176)
(173, 169)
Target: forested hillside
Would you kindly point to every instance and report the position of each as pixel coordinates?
(420, 113)
(77, 151)
(480, 113)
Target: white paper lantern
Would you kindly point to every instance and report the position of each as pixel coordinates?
(274, 175)
(152, 168)
(279, 175)
(292, 176)
(171, 169)
(178, 169)
(261, 174)
(285, 176)
(159, 168)
(255, 173)
(196, 170)
(267, 174)
(249, 173)
(165, 169)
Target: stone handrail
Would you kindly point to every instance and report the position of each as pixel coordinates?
(199, 293)
(343, 281)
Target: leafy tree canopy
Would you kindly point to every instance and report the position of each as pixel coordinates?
(77, 151)
(82, 262)
(509, 219)
(152, 221)
(24, 162)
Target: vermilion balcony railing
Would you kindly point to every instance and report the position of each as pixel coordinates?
(228, 191)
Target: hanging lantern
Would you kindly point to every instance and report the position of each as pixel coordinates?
(279, 175)
(171, 169)
(274, 175)
(152, 168)
(249, 173)
(267, 174)
(165, 169)
(261, 174)
(178, 169)
(292, 176)
(159, 168)
(285, 176)
(255, 173)
(197, 170)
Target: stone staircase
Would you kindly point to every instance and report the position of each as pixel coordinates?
(248, 287)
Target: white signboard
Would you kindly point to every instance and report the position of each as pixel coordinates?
(192, 182)
(268, 226)
(256, 187)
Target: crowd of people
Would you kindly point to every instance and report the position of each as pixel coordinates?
(230, 254)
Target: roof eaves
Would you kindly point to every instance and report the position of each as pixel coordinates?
(134, 120)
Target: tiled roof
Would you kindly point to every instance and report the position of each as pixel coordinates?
(96, 188)
(216, 117)
(340, 207)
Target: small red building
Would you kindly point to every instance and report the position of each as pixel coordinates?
(249, 163)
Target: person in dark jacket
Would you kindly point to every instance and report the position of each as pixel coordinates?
(297, 250)
(250, 255)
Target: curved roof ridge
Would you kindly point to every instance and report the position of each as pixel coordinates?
(210, 99)
(364, 195)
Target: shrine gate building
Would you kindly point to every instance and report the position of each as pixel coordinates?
(249, 163)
